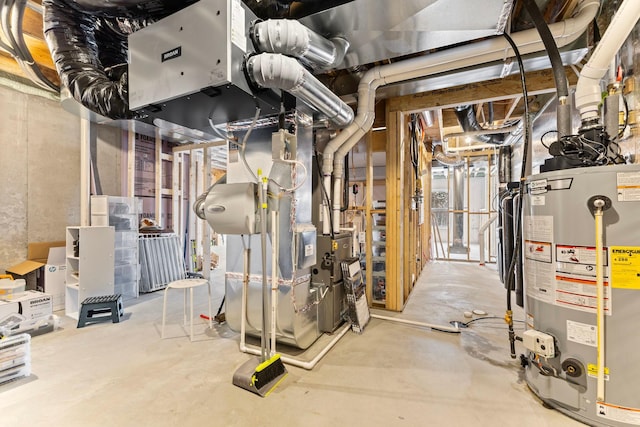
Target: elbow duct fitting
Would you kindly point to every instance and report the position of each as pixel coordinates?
(276, 71)
(588, 94)
(443, 159)
(291, 38)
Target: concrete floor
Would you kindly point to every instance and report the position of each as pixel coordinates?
(391, 375)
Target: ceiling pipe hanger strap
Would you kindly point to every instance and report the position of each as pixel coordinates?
(588, 94)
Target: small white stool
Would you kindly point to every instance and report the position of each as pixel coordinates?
(185, 284)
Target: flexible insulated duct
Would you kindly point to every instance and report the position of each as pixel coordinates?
(276, 71)
(495, 49)
(88, 43)
(466, 115)
(291, 38)
(73, 37)
(440, 156)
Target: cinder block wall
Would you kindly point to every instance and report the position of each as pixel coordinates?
(40, 171)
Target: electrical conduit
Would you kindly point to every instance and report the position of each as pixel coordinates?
(494, 49)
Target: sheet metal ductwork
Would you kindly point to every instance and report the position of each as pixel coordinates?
(467, 118)
(271, 70)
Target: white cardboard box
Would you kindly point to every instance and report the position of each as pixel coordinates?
(54, 276)
(32, 305)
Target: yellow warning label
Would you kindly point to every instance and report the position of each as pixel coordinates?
(592, 370)
(625, 267)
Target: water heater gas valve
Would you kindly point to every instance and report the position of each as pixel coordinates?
(540, 343)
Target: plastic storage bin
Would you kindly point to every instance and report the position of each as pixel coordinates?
(9, 288)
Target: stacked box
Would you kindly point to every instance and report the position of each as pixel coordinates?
(15, 357)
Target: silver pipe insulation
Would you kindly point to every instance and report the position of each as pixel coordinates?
(588, 93)
(291, 38)
(276, 71)
(494, 49)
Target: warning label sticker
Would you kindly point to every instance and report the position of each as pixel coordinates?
(582, 333)
(539, 251)
(625, 267)
(592, 371)
(578, 255)
(580, 293)
(628, 186)
(618, 413)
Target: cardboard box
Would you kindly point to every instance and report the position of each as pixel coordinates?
(34, 269)
(33, 305)
(55, 271)
(30, 271)
(29, 315)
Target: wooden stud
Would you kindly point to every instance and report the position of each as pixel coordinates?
(492, 90)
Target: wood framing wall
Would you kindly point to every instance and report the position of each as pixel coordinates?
(408, 241)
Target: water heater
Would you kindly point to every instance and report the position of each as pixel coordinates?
(559, 251)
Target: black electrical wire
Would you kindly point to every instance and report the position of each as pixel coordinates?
(413, 148)
(523, 169)
(345, 185)
(545, 134)
(487, 318)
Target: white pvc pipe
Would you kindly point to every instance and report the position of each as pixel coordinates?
(600, 300)
(446, 328)
(489, 50)
(274, 279)
(588, 93)
(481, 231)
(299, 363)
(337, 203)
(245, 291)
(326, 225)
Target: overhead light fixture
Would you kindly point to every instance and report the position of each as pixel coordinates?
(379, 128)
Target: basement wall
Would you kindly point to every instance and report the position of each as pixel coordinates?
(40, 171)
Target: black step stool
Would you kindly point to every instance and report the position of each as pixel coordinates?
(101, 305)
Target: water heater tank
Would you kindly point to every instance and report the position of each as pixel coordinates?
(560, 284)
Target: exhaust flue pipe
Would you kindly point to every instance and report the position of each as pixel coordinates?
(276, 71)
(588, 93)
